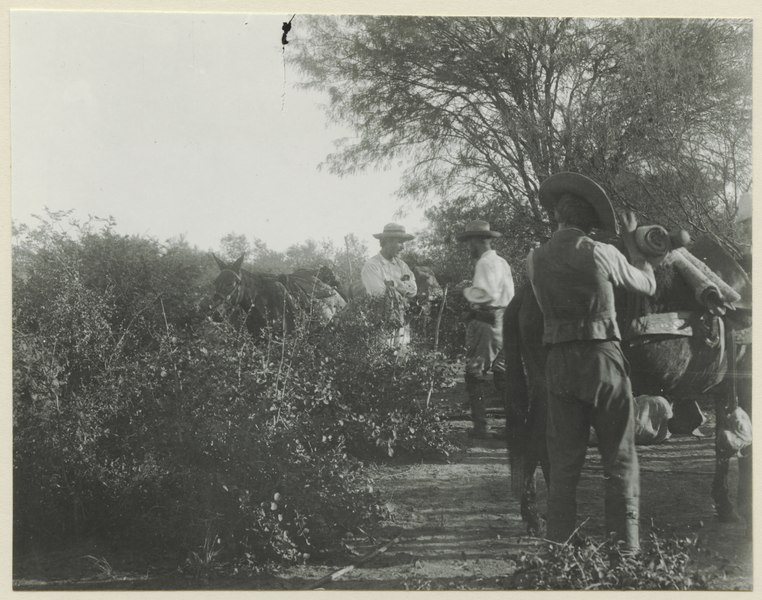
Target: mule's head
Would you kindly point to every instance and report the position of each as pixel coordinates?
(327, 276)
(228, 289)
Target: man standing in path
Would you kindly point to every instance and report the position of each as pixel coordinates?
(490, 292)
(386, 275)
(573, 278)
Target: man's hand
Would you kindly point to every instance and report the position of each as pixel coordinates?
(630, 224)
(629, 220)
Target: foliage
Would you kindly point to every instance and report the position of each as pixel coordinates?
(346, 262)
(136, 418)
(662, 564)
(382, 409)
(658, 111)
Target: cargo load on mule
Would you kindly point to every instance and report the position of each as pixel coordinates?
(690, 340)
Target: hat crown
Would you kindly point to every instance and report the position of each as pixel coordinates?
(478, 228)
(478, 225)
(394, 228)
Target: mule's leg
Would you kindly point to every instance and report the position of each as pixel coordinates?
(529, 512)
(745, 488)
(723, 506)
(745, 484)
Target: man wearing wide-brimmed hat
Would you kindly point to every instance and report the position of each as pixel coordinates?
(490, 292)
(387, 275)
(573, 278)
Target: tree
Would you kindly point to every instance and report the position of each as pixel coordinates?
(658, 111)
(258, 256)
(234, 245)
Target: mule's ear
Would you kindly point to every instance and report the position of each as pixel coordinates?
(236, 266)
(220, 264)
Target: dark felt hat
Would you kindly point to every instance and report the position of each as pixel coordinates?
(573, 183)
(477, 228)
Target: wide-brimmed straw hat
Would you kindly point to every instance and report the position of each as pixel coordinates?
(477, 295)
(479, 229)
(573, 183)
(394, 231)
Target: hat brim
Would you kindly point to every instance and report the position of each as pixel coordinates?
(464, 235)
(476, 295)
(574, 183)
(403, 237)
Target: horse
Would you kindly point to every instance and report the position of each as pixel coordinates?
(275, 301)
(676, 348)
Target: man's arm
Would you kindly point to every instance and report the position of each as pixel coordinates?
(638, 279)
(510, 288)
(406, 285)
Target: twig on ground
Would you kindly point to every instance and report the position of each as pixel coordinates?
(573, 533)
(343, 571)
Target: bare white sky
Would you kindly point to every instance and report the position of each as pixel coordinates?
(177, 124)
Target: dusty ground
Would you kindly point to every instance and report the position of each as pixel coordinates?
(459, 527)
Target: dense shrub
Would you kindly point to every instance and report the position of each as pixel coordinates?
(136, 418)
(663, 563)
(383, 392)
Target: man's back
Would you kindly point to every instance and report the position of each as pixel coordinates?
(493, 274)
(574, 278)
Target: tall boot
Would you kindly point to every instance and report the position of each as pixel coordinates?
(475, 390)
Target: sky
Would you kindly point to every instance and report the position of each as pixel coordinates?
(181, 124)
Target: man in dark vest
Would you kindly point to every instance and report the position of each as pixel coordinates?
(573, 278)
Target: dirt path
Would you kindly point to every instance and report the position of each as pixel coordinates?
(459, 527)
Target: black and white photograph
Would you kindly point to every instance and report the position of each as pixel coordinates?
(367, 301)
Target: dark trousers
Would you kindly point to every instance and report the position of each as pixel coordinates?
(588, 385)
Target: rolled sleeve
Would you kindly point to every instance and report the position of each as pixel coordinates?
(638, 279)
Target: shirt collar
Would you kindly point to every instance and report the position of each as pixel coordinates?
(569, 231)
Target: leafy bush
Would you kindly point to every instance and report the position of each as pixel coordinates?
(662, 564)
(382, 409)
(138, 419)
(134, 418)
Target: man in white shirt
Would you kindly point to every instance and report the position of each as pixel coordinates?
(490, 292)
(386, 275)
